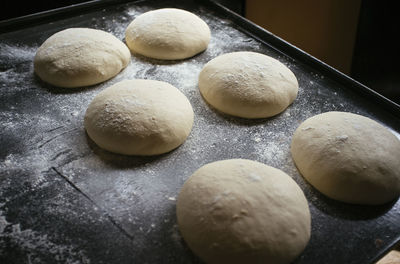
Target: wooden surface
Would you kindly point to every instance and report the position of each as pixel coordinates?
(64, 200)
(325, 29)
(393, 257)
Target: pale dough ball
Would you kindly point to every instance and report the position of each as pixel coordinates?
(348, 157)
(242, 211)
(78, 57)
(139, 117)
(168, 34)
(248, 84)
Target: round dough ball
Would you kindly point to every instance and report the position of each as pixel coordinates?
(348, 157)
(77, 57)
(242, 211)
(139, 117)
(248, 84)
(168, 34)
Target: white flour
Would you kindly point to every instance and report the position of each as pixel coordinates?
(44, 128)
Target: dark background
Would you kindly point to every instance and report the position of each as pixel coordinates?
(376, 52)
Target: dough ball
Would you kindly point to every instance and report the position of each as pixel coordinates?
(348, 157)
(248, 84)
(242, 211)
(168, 34)
(139, 117)
(77, 57)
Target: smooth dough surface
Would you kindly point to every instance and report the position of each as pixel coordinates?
(168, 34)
(139, 117)
(77, 57)
(243, 211)
(348, 157)
(248, 84)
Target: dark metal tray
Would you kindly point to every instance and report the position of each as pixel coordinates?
(64, 200)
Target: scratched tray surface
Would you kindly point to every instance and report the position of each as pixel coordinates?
(64, 200)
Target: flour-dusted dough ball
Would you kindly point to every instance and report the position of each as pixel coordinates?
(139, 117)
(77, 57)
(168, 34)
(348, 157)
(248, 84)
(242, 211)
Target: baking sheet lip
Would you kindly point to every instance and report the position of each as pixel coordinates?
(235, 23)
(385, 250)
(266, 37)
(282, 46)
(16, 23)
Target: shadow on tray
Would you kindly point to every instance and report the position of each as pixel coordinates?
(60, 90)
(238, 120)
(122, 161)
(345, 210)
(167, 242)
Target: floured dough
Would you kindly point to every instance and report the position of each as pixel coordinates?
(139, 117)
(348, 157)
(242, 211)
(168, 34)
(248, 84)
(78, 57)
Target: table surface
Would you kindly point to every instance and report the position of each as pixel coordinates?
(64, 200)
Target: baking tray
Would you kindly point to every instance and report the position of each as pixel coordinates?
(64, 200)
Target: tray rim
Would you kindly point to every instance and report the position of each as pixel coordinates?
(249, 27)
(16, 23)
(381, 253)
(288, 49)
(261, 34)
